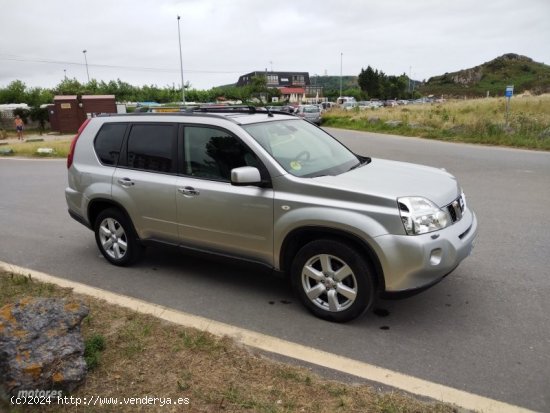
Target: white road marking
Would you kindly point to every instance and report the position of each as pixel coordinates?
(275, 345)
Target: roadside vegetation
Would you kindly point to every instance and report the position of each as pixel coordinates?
(481, 121)
(29, 148)
(135, 355)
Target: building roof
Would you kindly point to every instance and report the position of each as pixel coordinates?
(65, 97)
(292, 90)
(98, 96)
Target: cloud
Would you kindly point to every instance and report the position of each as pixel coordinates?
(138, 41)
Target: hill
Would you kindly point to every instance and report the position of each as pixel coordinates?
(509, 69)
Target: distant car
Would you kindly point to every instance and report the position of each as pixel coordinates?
(363, 105)
(345, 99)
(390, 103)
(328, 105)
(349, 105)
(311, 113)
(288, 109)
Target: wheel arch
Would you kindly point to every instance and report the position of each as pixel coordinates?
(299, 237)
(96, 206)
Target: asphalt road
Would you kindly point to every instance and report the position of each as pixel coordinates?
(484, 329)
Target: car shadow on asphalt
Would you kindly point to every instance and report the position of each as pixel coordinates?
(252, 283)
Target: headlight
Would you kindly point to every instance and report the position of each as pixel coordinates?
(420, 215)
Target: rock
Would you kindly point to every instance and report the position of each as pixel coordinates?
(373, 119)
(45, 151)
(508, 130)
(545, 134)
(41, 347)
(393, 123)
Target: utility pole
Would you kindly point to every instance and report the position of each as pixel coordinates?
(86, 61)
(181, 65)
(341, 58)
(410, 88)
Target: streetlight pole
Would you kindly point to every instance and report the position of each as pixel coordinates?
(86, 61)
(341, 58)
(181, 64)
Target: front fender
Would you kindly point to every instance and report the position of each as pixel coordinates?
(358, 224)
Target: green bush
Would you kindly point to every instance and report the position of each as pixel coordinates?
(94, 345)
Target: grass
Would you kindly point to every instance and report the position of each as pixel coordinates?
(136, 355)
(59, 144)
(480, 121)
(94, 345)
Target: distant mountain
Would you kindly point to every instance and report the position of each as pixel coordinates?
(493, 77)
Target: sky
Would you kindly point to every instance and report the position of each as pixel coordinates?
(137, 41)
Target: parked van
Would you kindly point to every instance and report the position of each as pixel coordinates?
(344, 99)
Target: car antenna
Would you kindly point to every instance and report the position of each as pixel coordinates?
(269, 114)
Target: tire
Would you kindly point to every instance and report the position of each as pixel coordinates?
(333, 280)
(116, 238)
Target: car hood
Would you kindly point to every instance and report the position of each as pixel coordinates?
(392, 179)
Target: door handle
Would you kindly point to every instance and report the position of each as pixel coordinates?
(189, 191)
(126, 182)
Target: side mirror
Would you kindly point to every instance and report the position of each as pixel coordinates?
(245, 175)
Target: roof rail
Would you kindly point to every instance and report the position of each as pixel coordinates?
(225, 109)
(207, 110)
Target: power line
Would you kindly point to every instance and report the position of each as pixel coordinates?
(136, 68)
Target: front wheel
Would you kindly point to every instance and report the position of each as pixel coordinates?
(333, 280)
(116, 238)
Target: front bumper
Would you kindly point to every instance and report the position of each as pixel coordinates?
(415, 262)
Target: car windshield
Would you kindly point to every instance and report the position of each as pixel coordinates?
(303, 149)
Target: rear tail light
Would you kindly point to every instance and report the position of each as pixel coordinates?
(73, 143)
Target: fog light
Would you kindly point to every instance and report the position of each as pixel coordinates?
(435, 256)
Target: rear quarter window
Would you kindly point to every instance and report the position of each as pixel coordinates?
(108, 142)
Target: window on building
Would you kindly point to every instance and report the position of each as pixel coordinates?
(298, 79)
(273, 79)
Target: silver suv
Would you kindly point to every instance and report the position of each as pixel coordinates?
(274, 189)
(311, 113)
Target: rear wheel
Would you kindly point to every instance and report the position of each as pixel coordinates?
(333, 280)
(116, 238)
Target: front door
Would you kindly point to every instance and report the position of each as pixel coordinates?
(213, 214)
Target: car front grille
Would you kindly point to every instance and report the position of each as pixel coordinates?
(456, 209)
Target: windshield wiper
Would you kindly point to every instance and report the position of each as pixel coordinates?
(360, 163)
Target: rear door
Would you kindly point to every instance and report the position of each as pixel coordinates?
(145, 181)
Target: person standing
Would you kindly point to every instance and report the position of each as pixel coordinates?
(19, 127)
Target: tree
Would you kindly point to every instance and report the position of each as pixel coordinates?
(22, 113)
(258, 87)
(377, 85)
(69, 87)
(369, 82)
(14, 93)
(40, 115)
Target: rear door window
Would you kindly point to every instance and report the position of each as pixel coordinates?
(108, 142)
(151, 147)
